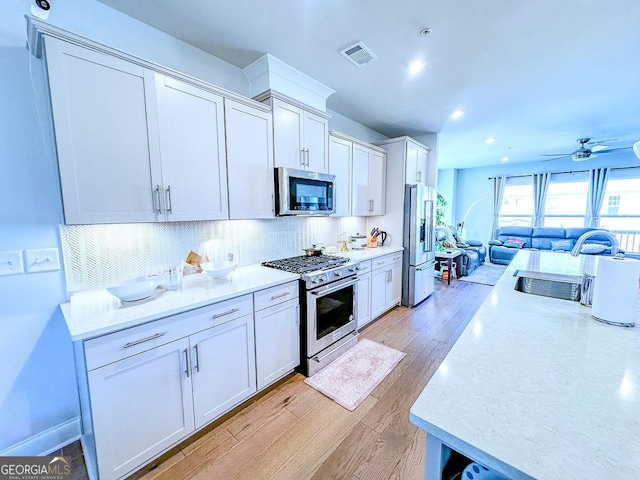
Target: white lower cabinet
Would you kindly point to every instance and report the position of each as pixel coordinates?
(151, 386)
(141, 406)
(363, 300)
(386, 283)
(277, 328)
(222, 368)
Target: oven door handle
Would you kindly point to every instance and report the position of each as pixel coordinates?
(322, 291)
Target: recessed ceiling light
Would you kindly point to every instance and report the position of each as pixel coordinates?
(505, 159)
(416, 66)
(490, 140)
(456, 114)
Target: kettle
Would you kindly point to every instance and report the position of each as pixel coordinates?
(382, 237)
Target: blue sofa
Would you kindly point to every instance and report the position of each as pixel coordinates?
(503, 248)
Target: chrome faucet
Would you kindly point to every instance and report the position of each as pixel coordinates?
(583, 238)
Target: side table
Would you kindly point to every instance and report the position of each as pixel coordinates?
(449, 255)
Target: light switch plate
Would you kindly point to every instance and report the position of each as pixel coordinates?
(11, 263)
(42, 260)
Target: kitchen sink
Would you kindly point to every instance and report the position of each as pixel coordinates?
(556, 285)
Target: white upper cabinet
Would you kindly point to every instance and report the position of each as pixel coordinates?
(300, 137)
(249, 161)
(99, 110)
(417, 162)
(368, 181)
(340, 160)
(191, 143)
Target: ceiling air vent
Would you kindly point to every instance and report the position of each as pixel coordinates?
(358, 54)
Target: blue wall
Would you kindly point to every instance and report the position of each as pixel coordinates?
(473, 183)
(38, 393)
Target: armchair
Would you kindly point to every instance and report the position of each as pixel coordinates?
(474, 251)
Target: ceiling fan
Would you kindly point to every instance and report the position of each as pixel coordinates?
(587, 150)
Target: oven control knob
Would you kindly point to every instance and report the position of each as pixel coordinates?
(338, 274)
(323, 278)
(354, 269)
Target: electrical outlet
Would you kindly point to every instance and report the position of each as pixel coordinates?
(42, 260)
(11, 263)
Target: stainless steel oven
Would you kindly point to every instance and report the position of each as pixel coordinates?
(331, 315)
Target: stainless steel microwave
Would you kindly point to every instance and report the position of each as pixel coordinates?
(300, 192)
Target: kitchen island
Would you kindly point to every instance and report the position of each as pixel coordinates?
(535, 388)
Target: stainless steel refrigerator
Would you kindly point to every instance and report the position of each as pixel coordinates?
(418, 266)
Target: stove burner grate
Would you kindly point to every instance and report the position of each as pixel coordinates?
(306, 264)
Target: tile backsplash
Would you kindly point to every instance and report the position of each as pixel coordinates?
(96, 256)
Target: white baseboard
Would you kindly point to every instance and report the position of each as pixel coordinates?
(46, 442)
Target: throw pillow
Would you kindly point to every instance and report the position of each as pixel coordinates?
(513, 242)
(593, 248)
(562, 245)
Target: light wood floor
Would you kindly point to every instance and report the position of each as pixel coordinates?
(294, 432)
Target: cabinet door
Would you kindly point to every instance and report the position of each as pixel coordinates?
(379, 281)
(288, 135)
(377, 166)
(249, 161)
(363, 300)
(316, 142)
(141, 406)
(99, 113)
(340, 152)
(423, 161)
(394, 287)
(411, 164)
(223, 368)
(360, 201)
(277, 341)
(192, 151)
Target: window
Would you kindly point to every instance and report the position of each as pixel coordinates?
(620, 210)
(566, 202)
(517, 203)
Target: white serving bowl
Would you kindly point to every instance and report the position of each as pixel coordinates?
(136, 288)
(218, 269)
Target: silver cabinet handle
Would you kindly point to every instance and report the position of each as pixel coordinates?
(419, 176)
(142, 340)
(273, 297)
(186, 361)
(197, 365)
(157, 190)
(372, 204)
(273, 203)
(169, 202)
(307, 157)
(229, 312)
(397, 258)
(302, 159)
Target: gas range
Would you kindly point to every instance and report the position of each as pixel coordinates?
(316, 270)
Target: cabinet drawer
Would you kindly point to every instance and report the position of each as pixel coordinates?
(275, 295)
(223, 312)
(365, 267)
(386, 261)
(131, 341)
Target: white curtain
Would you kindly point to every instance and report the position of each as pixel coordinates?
(597, 184)
(540, 187)
(498, 194)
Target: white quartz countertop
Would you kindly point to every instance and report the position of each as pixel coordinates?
(368, 253)
(538, 389)
(95, 313)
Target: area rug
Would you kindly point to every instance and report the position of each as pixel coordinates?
(352, 377)
(486, 274)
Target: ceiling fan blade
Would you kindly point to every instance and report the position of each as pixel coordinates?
(599, 148)
(613, 149)
(556, 158)
(556, 155)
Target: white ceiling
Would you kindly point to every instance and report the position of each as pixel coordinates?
(536, 75)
